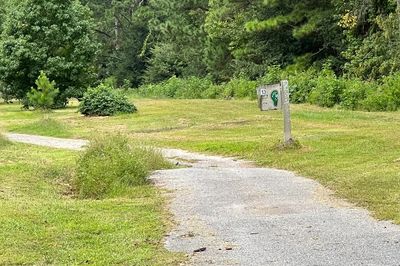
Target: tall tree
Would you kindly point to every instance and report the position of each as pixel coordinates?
(312, 23)
(177, 39)
(233, 50)
(122, 29)
(50, 35)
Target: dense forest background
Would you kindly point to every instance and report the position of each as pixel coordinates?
(332, 51)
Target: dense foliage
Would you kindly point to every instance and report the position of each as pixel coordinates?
(150, 41)
(322, 88)
(104, 101)
(50, 35)
(334, 52)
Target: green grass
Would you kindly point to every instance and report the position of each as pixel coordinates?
(43, 223)
(357, 154)
(54, 124)
(45, 126)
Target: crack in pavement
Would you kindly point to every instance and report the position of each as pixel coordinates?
(244, 215)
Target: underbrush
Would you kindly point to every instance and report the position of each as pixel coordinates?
(189, 88)
(200, 88)
(323, 88)
(111, 164)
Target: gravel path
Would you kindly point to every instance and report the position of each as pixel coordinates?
(69, 144)
(236, 214)
(257, 216)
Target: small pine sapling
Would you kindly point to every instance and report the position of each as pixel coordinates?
(43, 97)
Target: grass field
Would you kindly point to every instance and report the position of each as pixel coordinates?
(357, 154)
(43, 223)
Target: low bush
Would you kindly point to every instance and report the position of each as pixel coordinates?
(386, 97)
(104, 101)
(192, 88)
(319, 87)
(240, 88)
(376, 101)
(273, 75)
(188, 88)
(200, 88)
(110, 164)
(355, 92)
(301, 85)
(213, 92)
(327, 91)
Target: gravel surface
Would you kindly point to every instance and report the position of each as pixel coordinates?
(69, 144)
(256, 216)
(231, 213)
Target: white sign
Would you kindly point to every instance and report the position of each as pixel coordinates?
(276, 97)
(263, 91)
(269, 97)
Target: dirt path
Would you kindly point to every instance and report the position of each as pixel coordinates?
(249, 216)
(69, 144)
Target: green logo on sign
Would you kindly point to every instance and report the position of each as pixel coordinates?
(275, 97)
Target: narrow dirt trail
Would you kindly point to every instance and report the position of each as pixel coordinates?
(243, 215)
(58, 143)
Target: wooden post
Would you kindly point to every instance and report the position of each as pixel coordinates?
(286, 112)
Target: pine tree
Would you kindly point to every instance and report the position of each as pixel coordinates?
(177, 39)
(43, 97)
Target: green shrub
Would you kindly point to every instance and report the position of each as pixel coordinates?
(104, 101)
(301, 85)
(192, 88)
(386, 97)
(170, 86)
(327, 90)
(273, 75)
(228, 92)
(110, 82)
(355, 92)
(241, 88)
(148, 90)
(110, 165)
(165, 89)
(43, 97)
(200, 88)
(188, 88)
(213, 92)
(376, 101)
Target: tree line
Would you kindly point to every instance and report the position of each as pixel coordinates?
(140, 42)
